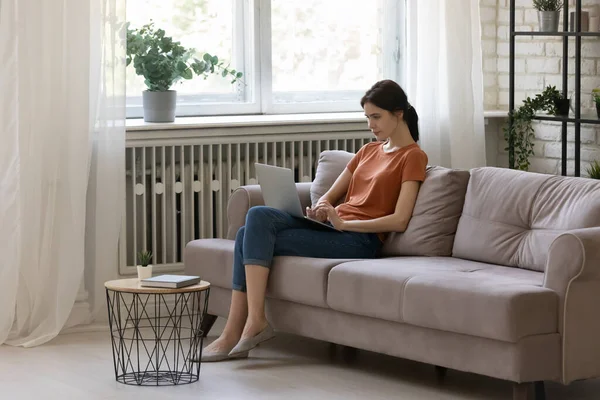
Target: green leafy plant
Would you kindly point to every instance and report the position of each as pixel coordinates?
(145, 258)
(520, 134)
(163, 62)
(547, 5)
(593, 170)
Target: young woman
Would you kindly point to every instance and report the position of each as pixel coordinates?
(381, 181)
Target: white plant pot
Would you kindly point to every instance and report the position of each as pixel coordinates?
(144, 272)
(159, 106)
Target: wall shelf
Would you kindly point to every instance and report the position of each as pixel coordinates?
(577, 119)
(585, 119)
(556, 34)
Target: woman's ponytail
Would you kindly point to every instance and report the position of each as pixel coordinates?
(412, 120)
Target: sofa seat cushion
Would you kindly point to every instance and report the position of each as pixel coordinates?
(301, 279)
(448, 294)
(298, 279)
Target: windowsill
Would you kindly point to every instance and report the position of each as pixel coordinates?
(496, 114)
(133, 125)
(245, 120)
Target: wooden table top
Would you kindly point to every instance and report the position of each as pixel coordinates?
(133, 285)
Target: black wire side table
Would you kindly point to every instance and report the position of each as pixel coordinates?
(156, 332)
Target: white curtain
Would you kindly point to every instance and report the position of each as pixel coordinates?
(444, 80)
(62, 119)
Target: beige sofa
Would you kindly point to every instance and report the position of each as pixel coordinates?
(497, 274)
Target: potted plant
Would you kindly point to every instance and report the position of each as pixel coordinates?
(519, 132)
(596, 95)
(593, 170)
(144, 268)
(548, 14)
(163, 62)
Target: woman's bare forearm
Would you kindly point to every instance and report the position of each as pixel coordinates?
(338, 189)
(388, 223)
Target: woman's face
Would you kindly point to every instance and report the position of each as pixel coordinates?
(381, 122)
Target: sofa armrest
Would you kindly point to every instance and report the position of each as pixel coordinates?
(245, 197)
(573, 272)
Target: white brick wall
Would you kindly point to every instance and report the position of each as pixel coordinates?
(548, 147)
(489, 50)
(538, 63)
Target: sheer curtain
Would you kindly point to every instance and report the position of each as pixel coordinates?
(445, 80)
(61, 160)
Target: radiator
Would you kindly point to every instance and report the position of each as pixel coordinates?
(178, 192)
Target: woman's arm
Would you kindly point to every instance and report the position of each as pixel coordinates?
(338, 189)
(396, 222)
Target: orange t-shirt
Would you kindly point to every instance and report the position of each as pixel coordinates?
(376, 180)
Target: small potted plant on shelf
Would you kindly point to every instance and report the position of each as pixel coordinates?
(548, 14)
(596, 96)
(593, 170)
(163, 62)
(144, 268)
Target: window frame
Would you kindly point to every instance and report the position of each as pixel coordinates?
(252, 42)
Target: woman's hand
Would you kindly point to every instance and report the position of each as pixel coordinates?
(320, 216)
(332, 215)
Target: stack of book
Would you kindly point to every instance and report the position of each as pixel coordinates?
(170, 281)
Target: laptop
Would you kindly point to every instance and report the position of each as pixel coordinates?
(279, 191)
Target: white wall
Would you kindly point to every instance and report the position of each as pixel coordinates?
(538, 63)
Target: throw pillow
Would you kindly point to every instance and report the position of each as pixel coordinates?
(437, 211)
(331, 165)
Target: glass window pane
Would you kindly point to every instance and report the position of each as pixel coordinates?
(328, 45)
(205, 25)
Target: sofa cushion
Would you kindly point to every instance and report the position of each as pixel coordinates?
(301, 279)
(331, 165)
(498, 303)
(437, 211)
(298, 279)
(511, 217)
(431, 229)
(446, 293)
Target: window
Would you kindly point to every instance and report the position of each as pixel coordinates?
(309, 56)
(211, 26)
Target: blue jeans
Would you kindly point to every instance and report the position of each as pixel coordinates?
(269, 232)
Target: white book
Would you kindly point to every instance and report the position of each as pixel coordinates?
(170, 281)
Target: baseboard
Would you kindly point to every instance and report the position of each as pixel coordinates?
(89, 328)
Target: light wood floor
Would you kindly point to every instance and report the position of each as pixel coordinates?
(79, 366)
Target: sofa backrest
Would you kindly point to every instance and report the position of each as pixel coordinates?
(511, 217)
(431, 229)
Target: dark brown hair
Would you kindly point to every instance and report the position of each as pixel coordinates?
(389, 96)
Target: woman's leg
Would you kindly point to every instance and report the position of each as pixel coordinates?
(235, 324)
(270, 232)
(238, 311)
(327, 244)
(260, 233)
(256, 277)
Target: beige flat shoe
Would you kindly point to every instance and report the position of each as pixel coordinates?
(215, 356)
(245, 345)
